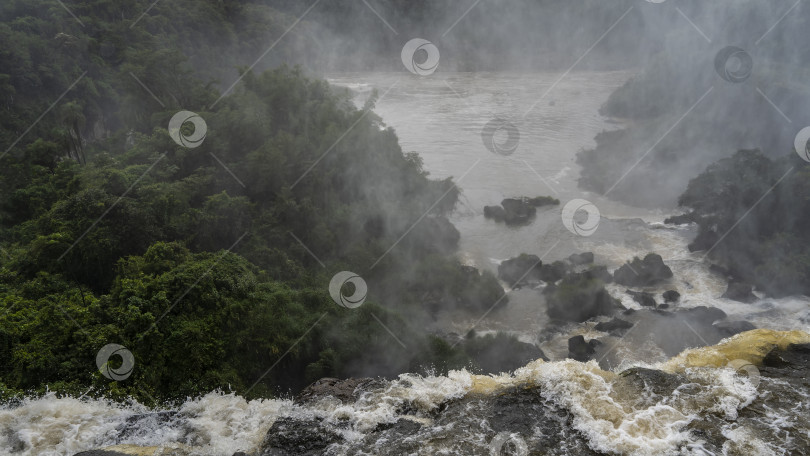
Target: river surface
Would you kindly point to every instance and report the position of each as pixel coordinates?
(441, 117)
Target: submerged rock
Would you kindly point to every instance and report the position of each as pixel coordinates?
(640, 273)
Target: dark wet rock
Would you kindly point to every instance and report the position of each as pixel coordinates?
(616, 326)
(540, 201)
(703, 314)
(578, 259)
(719, 270)
(643, 298)
(640, 273)
(705, 240)
(793, 361)
(521, 270)
(671, 296)
(739, 291)
(522, 410)
(346, 390)
(293, 436)
(518, 210)
(498, 353)
(598, 273)
(663, 306)
(553, 272)
(730, 328)
(681, 219)
(580, 350)
(579, 298)
(651, 380)
(496, 213)
(402, 427)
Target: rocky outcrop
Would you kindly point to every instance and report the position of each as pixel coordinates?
(641, 273)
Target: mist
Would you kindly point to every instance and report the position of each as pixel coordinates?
(404, 227)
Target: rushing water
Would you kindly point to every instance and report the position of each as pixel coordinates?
(441, 118)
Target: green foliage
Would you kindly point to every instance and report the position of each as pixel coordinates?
(194, 259)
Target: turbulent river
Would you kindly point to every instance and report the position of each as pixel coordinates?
(561, 406)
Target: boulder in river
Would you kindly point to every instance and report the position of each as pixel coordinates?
(516, 211)
(643, 298)
(553, 272)
(740, 291)
(580, 350)
(615, 327)
(640, 273)
(579, 298)
(520, 270)
(496, 213)
(671, 296)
